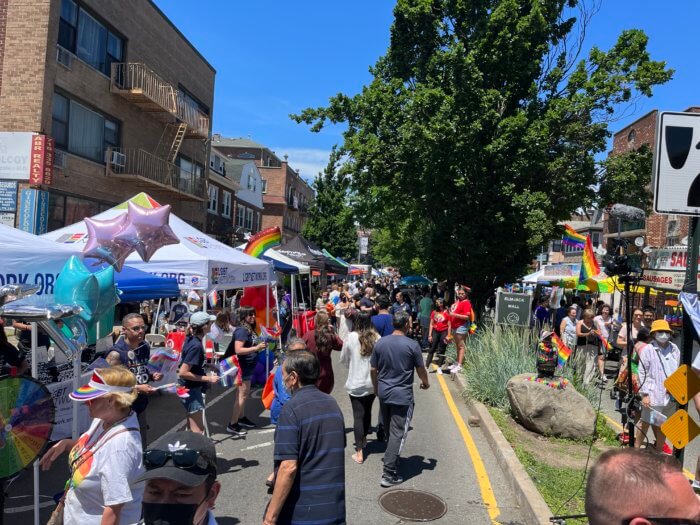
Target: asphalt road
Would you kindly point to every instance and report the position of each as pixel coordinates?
(435, 459)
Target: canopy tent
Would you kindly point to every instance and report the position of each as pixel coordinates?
(411, 280)
(274, 255)
(601, 283)
(135, 285)
(306, 252)
(533, 277)
(29, 259)
(197, 262)
(352, 270)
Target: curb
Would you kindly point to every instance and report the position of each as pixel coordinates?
(536, 510)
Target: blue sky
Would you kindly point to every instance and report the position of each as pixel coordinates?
(277, 57)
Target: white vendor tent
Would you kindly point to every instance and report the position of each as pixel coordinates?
(198, 262)
(28, 259)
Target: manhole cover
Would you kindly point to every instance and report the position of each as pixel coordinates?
(413, 505)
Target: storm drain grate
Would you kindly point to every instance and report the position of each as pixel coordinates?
(413, 505)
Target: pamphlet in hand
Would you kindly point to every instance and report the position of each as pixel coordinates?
(653, 417)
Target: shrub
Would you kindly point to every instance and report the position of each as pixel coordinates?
(494, 356)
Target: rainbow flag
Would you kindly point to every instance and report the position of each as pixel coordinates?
(173, 388)
(228, 370)
(589, 265)
(163, 360)
(606, 344)
(573, 238)
(213, 298)
(263, 240)
(562, 350)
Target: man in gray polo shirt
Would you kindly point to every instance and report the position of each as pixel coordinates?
(393, 361)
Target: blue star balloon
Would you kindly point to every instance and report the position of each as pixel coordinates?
(76, 285)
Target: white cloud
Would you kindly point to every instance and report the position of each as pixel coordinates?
(310, 162)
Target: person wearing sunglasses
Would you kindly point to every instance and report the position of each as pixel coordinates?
(106, 459)
(180, 480)
(629, 486)
(134, 353)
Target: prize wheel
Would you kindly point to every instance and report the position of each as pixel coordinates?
(26, 420)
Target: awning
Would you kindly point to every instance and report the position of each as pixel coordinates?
(136, 286)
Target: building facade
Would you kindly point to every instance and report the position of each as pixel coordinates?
(659, 230)
(125, 97)
(285, 194)
(220, 205)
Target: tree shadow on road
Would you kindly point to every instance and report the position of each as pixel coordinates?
(230, 465)
(413, 466)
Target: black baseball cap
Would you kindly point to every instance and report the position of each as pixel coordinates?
(184, 457)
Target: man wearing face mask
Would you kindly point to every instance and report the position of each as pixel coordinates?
(657, 361)
(181, 486)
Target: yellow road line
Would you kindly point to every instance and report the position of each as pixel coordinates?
(482, 477)
(619, 427)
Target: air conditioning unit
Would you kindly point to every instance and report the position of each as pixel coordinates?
(64, 57)
(117, 159)
(59, 159)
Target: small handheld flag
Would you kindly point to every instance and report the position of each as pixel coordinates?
(228, 370)
(563, 351)
(173, 388)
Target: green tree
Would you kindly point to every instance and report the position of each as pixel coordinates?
(331, 223)
(626, 179)
(479, 129)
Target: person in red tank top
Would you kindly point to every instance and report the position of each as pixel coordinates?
(461, 317)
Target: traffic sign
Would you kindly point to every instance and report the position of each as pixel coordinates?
(513, 308)
(676, 178)
(680, 429)
(683, 384)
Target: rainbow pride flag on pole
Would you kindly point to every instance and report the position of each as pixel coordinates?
(605, 343)
(573, 238)
(228, 371)
(589, 265)
(563, 351)
(263, 240)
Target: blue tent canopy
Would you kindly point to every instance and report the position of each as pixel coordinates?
(280, 266)
(136, 285)
(411, 280)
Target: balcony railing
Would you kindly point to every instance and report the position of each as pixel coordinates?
(138, 164)
(144, 87)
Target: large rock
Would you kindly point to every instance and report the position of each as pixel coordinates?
(549, 411)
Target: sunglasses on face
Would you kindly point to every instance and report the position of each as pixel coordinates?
(137, 328)
(189, 459)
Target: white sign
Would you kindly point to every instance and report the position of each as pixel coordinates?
(64, 409)
(665, 259)
(8, 219)
(676, 177)
(15, 155)
(663, 279)
(364, 244)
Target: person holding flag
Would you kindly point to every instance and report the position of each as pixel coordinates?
(603, 323)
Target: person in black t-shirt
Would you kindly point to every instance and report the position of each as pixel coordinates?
(246, 346)
(12, 362)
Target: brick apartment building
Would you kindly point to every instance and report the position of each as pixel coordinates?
(659, 230)
(286, 195)
(126, 98)
(235, 205)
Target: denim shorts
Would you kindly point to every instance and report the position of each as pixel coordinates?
(195, 402)
(462, 330)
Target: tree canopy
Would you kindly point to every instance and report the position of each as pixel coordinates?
(479, 129)
(626, 179)
(331, 223)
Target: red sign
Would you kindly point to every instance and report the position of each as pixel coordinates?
(36, 159)
(49, 153)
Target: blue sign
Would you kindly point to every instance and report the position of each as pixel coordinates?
(27, 210)
(8, 196)
(33, 211)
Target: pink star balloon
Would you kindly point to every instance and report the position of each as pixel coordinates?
(147, 230)
(102, 243)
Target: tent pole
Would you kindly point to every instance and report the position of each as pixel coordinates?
(154, 325)
(267, 322)
(35, 375)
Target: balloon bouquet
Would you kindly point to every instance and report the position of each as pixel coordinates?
(111, 241)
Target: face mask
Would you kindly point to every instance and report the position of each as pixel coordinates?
(169, 513)
(662, 337)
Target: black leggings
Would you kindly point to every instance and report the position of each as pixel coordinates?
(362, 416)
(439, 343)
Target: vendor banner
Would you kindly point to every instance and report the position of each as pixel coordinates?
(670, 280)
(555, 271)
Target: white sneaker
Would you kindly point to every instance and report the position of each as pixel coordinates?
(452, 367)
(439, 371)
(456, 369)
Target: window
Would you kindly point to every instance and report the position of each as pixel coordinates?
(82, 131)
(87, 38)
(556, 246)
(258, 224)
(249, 219)
(190, 174)
(193, 101)
(240, 216)
(213, 199)
(264, 185)
(226, 209)
(251, 182)
(595, 239)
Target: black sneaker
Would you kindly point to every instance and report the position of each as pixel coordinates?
(390, 481)
(245, 422)
(237, 430)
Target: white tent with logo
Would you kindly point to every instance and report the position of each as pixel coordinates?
(28, 259)
(198, 261)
